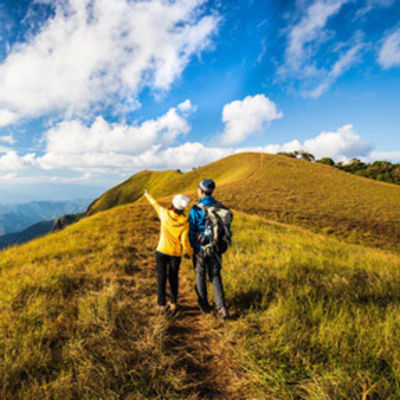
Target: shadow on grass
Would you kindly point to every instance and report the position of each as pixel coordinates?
(243, 302)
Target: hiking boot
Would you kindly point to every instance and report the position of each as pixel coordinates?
(222, 313)
(204, 309)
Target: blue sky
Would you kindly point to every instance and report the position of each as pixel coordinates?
(92, 91)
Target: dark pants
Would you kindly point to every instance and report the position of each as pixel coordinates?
(167, 266)
(212, 266)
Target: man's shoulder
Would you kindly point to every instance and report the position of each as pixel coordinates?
(193, 210)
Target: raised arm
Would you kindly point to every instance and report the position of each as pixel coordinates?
(154, 203)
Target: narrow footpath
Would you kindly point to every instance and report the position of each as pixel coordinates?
(204, 347)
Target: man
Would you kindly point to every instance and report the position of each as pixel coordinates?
(205, 263)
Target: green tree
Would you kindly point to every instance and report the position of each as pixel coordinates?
(327, 161)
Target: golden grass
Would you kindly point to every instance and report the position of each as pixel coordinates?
(313, 318)
(171, 182)
(78, 316)
(298, 192)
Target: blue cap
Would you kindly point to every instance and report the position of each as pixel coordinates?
(207, 186)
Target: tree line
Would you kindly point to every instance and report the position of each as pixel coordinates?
(384, 171)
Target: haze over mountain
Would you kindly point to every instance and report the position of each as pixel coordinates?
(17, 217)
(17, 193)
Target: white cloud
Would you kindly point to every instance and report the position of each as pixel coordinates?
(74, 145)
(185, 156)
(105, 149)
(345, 61)
(344, 143)
(96, 52)
(393, 156)
(7, 117)
(304, 63)
(11, 161)
(371, 4)
(246, 117)
(389, 55)
(7, 139)
(308, 30)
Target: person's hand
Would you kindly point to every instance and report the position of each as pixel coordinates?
(146, 193)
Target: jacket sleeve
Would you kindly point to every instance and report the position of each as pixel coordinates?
(159, 209)
(192, 226)
(187, 248)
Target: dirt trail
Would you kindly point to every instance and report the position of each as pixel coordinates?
(204, 348)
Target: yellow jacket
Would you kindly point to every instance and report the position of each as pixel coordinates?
(174, 233)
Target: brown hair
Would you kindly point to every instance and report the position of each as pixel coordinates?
(176, 211)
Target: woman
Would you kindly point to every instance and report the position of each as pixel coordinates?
(174, 241)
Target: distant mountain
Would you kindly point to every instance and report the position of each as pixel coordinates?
(18, 217)
(34, 231)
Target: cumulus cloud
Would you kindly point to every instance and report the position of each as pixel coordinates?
(95, 51)
(102, 144)
(7, 117)
(344, 143)
(11, 161)
(246, 117)
(389, 54)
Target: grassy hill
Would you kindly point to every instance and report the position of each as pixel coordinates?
(313, 318)
(288, 190)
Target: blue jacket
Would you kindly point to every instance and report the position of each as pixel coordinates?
(197, 220)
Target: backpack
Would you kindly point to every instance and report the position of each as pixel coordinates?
(217, 236)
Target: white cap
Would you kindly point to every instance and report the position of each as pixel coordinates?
(180, 201)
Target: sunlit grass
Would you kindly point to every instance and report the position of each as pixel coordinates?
(78, 316)
(280, 188)
(313, 318)
(316, 318)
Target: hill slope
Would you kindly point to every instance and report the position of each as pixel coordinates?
(313, 317)
(284, 189)
(34, 231)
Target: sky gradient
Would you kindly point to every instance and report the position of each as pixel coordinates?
(91, 91)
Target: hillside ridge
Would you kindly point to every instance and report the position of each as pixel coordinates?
(312, 195)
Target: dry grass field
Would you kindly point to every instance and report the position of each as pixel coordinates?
(313, 317)
(312, 195)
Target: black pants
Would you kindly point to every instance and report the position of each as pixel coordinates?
(167, 266)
